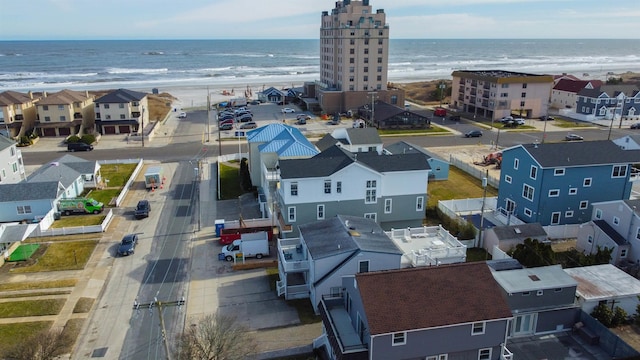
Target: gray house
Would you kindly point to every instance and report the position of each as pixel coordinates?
(439, 167)
(507, 237)
(29, 202)
(610, 102)
(541, 299)
(441, 312)
(314, 264)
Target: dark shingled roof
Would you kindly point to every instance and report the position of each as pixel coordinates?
(611, 232)
(6, 143)
(121, 96)
(363, 136)
(610, 90)
(575, 86)
(326, 142)
(519, 231)
(567, 154)
(426, 297)
(335, 158)
(345, 234)
(25, 191)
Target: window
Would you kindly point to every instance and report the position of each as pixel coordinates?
(122, 117)
(294, 189)
(616, 220)
(557, 290)
(399, 338)
(387, 206)
(320, 212)
(584, 204)
(526, 293)
(568, 213)
(573, 191)
(370, 216)
(516, 163)
(507, 179)
(121, 106)
(370, 197)
(534, 172)
(352, 51)
(419, 203)
(338, 187)
(292, 213)
(438, 357)
(555, 218)
(14, 166)
(106, 106)
(26, 209)
(619, 171)
(523, 95)
(528, 212)
(477, 328)
(527, 192)
(484, 354)
(539, 292)
(586, 182)
(598, 213)
(590, 239)
(558, 172)
(60, 107)
(363, 266)
(623, 253)
(327, 186)
(554, 193)
(45, 107)
(524, 86)
(63, 118)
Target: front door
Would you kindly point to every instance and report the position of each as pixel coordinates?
(523, 325)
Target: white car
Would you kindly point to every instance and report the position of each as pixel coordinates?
(288, 110)
(182, 115)
(519, 121)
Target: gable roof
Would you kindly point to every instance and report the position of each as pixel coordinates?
(426, 297)
(64, 97)
(568, 154)
(121, 96)
(532, 279)
(6, 143)
(574, 86)
(356, 136)
(326, 142)
(267, 133)
(405, 147)
(610, 90)
(346, 234)
(65, 169)
(522, 231)
(336, 158)
(25, 191)
(11, 97)
(611, 232)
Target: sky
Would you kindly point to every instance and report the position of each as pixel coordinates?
(300, 19)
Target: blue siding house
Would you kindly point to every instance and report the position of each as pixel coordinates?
(556, 183)
(610, 101)
(441, 312)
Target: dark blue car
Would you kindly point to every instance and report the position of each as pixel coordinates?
(128, 245)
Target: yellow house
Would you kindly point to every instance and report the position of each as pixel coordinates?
(65, 113)
(17, 113)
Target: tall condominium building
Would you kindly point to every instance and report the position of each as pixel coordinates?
(354, 55)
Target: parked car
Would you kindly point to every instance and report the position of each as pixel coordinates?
(226, 126)
(573, 137)
(454, 117)
(546, 118)
(506, 119)
(183, 115)
(244, 118)
(519, 121)
(473, 133)
(79, 146)
(128, 245)
(243, 113)
(255, 102)
(301, 121)
(249, 125)
(635, 126)
(288, 110)
(142, 209)
(303, 116)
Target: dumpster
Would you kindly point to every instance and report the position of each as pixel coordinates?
(219, 226)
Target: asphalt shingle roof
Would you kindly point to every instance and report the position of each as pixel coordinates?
(66, 170)
(63, 97)
(326, 142)
(363, 136)
(25, 191)
(519, 231)
(121, 96)
(574, 86)
(11, 97)
(426, 297)
(611, 232)
(567, 154)
(345, 234)
(6, 143)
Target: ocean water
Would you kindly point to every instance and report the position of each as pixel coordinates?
(55, 65)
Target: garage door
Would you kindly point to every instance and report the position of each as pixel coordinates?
(49, 132)
(109, 130)
(124, 129)
(64, 131)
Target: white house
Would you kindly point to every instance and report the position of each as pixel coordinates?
(11, 166)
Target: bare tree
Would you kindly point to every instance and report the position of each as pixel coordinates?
(46, 345)
(216, 337)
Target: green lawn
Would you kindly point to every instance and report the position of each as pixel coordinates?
(459, 186)
(31, 285)
(59, 256)
(78, 220)
(17, 331)
(117, 174)
(105, 195)
(31, 308)
(229, 182)
(569, 124)
(434, 129)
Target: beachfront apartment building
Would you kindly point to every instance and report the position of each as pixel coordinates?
(11, 165)
(354, 58)
(494, 94)
(435, 313)
(65, 113)
(564, 94)
(17, 113)
(610, 102)
(389, 189)
(557, 183)
(121, 112)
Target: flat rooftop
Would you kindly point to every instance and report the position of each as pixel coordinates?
(603, 282)
(531, 279)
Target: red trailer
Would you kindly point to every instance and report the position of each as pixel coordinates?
(227, 236)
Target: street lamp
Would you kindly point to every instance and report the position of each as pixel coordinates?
(442, 86)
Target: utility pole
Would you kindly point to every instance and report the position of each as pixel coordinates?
(158, 305)
(142, 125)
(208, 113)
(484, 197)
(442, 87)
(373, 110)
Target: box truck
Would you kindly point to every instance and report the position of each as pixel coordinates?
(249, 245)
(80, 206)
(153, 177)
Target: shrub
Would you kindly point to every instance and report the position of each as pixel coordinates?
(88, 139)
(619, 317)
(25, 141)
(73, 139)
(603, 314)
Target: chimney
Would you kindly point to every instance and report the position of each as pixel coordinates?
(30, 93)
(44, 94)
(86, 93)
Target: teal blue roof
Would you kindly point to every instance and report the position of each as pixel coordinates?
(282, 139)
